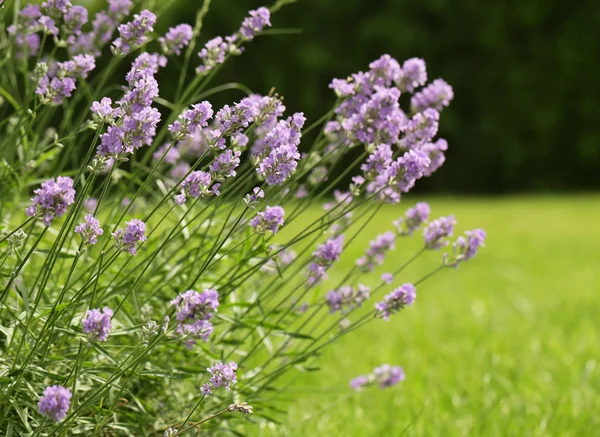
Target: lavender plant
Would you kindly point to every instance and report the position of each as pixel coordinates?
(143, 288)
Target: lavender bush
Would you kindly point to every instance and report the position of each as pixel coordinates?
(143, 288)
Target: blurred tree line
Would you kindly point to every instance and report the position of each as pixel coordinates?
(525, 75)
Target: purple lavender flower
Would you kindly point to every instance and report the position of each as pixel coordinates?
(437, 231)
(387, 278)
(435, 151)
(197, 184)
(134, 33)
(127, 240)
(48, 25)
(222, 375)
(176, 38)
(378, 162)
(103, 111)
(405, 171)
(347, 298)
(74, 20)
(191, 120)
(255, 22)
(193, 311)
(413, 74)
(269, 220)
(281, 143)
(396, 300)
(97, 324)
(56, 8)
(375, 254)
(359, 382)
(420, 129)
(89, 230)
(52, 199)
(214, 53)
(384, 71)
(251, 200)
(55, 402)
(467, 247)
(224, 165)
(54, 91)
(413, 219)
(436, 95)
(324, 257)
(387, 376)
(384, 375)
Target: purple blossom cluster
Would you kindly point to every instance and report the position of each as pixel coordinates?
(97, 324)
(375, 254)
(221, 375)
(370, 114)
(396, 300)
(132, 122)
(437, 95)
(54, 89)
(104, 24)
(89, 230)
(128, 239)
(437, 232)
(191, 120)
(217, 49)
(52, 199)
(281, 150)
(65, 22)
(271, 219)
(384, 376)
(324, 257)
(197, 184)
(466, 247)
(134, 33)
(413, 219)
(254, 23)
(193, 312)
(347, 298)
(176, 38)
(55, 402)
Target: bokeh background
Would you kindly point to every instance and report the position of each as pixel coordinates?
(525, 76)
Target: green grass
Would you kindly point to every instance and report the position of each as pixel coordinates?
(505, 346)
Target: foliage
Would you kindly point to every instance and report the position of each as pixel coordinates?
(144, 288)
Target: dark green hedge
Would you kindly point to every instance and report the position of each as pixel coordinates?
(525, 74)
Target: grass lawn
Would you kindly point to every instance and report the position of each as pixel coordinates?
(508, 345)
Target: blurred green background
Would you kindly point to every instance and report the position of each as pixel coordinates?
(525, 75)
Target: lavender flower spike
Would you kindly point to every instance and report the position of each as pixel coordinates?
(393, 302)
(255, 22)
(387, 376)
(55, 402)
(52, 199)
(413, 219)
(467, 247)
(325, 255)
(436, 95)
(134, 33)
(193, 311)
(128, 239)
(97, 324)
(191, 120)
(89, 230)
(176, 38)
(437, 231)
(375, 254)
(222, 375)
(269, 220)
